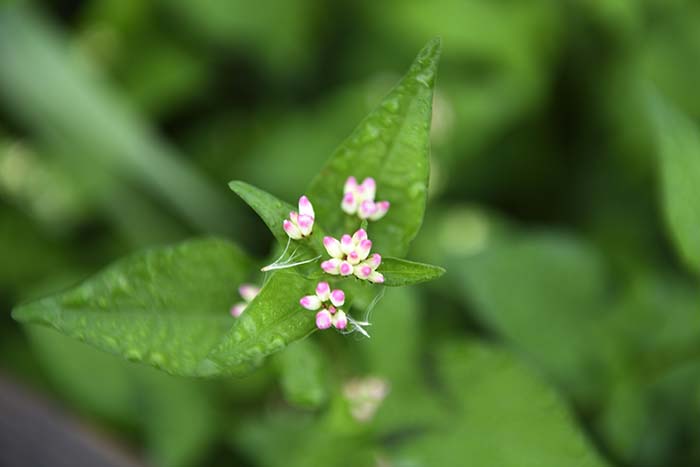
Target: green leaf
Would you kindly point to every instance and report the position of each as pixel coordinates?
(177, 415)
(497, 402)
(303, 374)
(169, 307)
(270, 209)
(543, 292)
(271, 321)
(273, 211)
(400, 272)
(391, 144)
(679, 152)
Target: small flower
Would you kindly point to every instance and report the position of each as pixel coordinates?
(359, 199)
(364, 396)
(300, 224)
(329, 314)
(248, 293)
(350, 255)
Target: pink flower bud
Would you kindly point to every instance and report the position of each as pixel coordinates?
(323, 291)
(248, 291)
(381, 208)
(375, 260)
(291, 229)
(358, 236)
(350, 185)
(338, 297)
(369, 188)
(376, 277)
(332, 247)
(340, 321)
(305, 207)
(346, 244)
(363, 249)
(345, 268)
(349, 203)
(306, 224)
(366, 209)
(323, 319)
(354, 257)
(310, 302)
(332, 266)
(238, 309)
(362, 271)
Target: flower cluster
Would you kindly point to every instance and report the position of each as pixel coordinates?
(300, 224)
(328, 303)
(351, 255)
(358, 198)
(248, 293)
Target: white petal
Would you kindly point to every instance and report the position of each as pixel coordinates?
(333, 247)
(310, 302)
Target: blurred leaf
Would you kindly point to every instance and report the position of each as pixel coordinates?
(298, 440)
(501, 414)
(303, 368)
(400, 272)
(679, 153)
(168, 307)
(79, 111)
(176, 414)
(391, 144)
(542, 292)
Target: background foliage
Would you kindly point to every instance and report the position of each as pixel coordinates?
(563, 202)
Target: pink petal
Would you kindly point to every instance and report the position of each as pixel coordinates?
(248, 291)
(310, 302)
(375, 260)
(376, 277)
(305, 207)
(333, 247)
(362, 271)
(323, 319)
(367, 208)
(306, 224)
(332, 266)
(369, 188)
(291, 229)
(338, 297)
(340, 321)
(363, 249)
(238, 309)
(382, 207)
(346, 244)
(358, 236)
(354, 257)
(349, 203)
(345, 268)
(350, 185)
(323, 291)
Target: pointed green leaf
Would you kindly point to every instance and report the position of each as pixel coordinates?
(679, 152)
(497, 401)
(391, 144)
(270, 322)
(169, 307)
(400, 272)
(273, 212)
(303, 369)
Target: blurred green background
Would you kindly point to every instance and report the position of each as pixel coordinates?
(121, 122)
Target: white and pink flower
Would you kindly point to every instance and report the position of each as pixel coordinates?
(300, 224)
(351, 255)
(248, 293)
(328, 303)
(358, 198)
